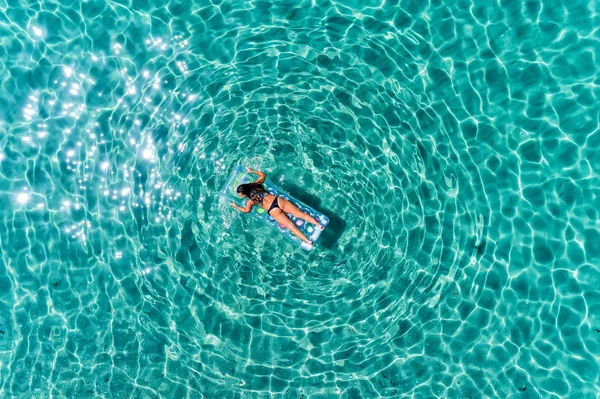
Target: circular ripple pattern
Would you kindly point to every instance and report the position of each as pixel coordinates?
(452, 146)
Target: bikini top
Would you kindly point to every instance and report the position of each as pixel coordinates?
(257, 195)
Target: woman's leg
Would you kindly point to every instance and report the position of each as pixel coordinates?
(281, 218)
(292, 209)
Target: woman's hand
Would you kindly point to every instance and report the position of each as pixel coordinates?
(261, 175)
(247, 209)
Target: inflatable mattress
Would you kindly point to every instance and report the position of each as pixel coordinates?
(241, 176)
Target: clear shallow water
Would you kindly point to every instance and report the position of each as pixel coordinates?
(454, 146)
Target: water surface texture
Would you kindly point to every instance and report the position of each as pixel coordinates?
(454, 145)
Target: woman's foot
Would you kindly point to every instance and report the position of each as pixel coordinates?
(320, 226)
(308, 245)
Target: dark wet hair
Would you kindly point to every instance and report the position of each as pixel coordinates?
(255, 191)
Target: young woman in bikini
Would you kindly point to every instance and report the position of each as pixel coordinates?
(277, 207)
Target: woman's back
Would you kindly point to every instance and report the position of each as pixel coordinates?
(258, 194)
(255, 191)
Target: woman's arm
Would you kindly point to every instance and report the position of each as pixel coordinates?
(261, 175)
(247, 209)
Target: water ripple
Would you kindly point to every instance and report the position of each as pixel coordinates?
(453, 147)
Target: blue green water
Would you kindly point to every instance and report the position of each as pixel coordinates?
(453, 144)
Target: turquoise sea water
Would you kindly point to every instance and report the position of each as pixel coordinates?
(453, 144)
